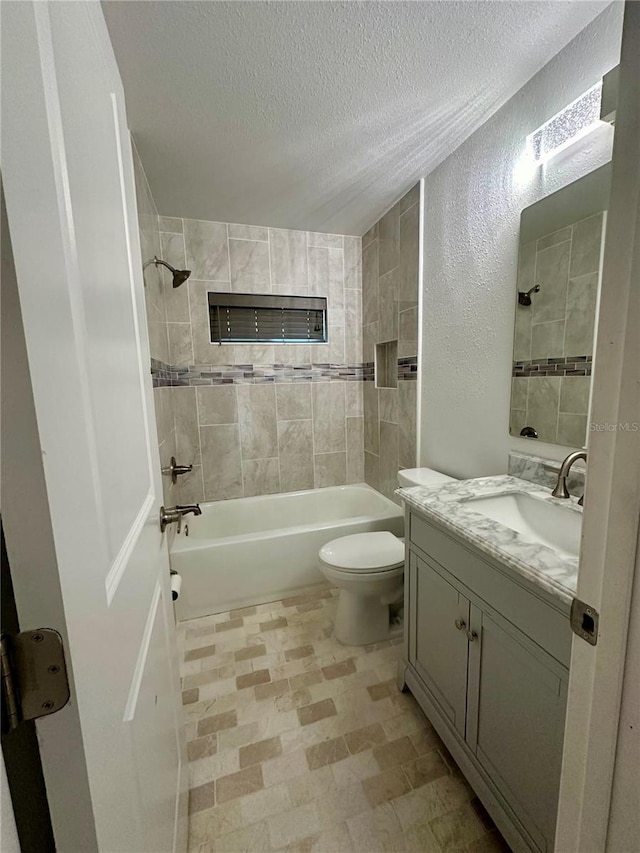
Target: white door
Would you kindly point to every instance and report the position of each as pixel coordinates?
(69, 187)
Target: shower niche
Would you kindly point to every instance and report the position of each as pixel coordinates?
(386, 365)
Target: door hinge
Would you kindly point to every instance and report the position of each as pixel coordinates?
(34, 675)
(584, 621)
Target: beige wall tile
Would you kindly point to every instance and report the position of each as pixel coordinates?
(295, 443)
(248, 232)
(328, 417)
(217, 722)
(186, 419)
(257, 416)
(202, 797)
(170, 223)
(389, 240)
(217, 405)
(355, 450)
(222, 468)
(330, 469)
(288, 257)
(261, 476)
(249, 260)
(206, 250)
(293, 401)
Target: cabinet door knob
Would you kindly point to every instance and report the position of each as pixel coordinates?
(460, 624)
(471, 636)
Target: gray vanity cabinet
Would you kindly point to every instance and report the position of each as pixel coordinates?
(438, 650)
(495, 693)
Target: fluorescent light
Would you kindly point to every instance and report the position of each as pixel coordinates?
(574, 121)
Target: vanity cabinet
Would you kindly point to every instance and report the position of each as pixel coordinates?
(487, 659)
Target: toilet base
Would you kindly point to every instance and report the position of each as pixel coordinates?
(361, 620)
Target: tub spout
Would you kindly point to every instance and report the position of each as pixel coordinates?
(171, 514)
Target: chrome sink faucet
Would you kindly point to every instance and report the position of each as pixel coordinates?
(171, 514)
(561, 490)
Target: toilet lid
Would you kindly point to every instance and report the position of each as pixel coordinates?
(364, 552)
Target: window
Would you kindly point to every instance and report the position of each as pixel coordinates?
(570, 124)
(250, 318)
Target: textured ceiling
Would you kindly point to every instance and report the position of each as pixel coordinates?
(318, 115)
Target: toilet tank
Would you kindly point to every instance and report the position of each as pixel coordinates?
(422, 477)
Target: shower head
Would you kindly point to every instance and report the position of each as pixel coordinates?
(179, 276)
(524, 296)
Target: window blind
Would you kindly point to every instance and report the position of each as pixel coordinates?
(251, 318)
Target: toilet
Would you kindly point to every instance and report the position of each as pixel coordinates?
(368, 569)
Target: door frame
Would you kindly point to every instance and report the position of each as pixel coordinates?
(609, 556)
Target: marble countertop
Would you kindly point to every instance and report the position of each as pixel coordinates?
(554, 572)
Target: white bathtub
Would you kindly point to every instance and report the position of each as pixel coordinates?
(253, 550)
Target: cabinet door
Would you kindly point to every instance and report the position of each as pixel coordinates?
(437, 646)
(515, 723)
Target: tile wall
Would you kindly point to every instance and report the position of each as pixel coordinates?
(390, 313)
(260, 419)
(553, 347)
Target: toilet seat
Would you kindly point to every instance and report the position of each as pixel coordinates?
(364, 553)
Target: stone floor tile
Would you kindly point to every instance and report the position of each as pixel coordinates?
(420, 839)
(458, 828)
(203, 652)
(255, 753)
(202, 747)
(249, 652)
(287, 767)
(270, 691)
(386, 786)
(420, 806)
(262, 804)
(299, 652)
(190, 697)
(376, 831)
(239, 784)
(317, 711)
(341, 803)
(293, 825)
(338, 670)
(253, 679)
(252, 839)
(382, 690)
(395, 752)
(202, 797)
(217, 722)
(327, 752)
(228, 626)
(365, 738)
(426, 769)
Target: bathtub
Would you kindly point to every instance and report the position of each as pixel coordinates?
(253, 550)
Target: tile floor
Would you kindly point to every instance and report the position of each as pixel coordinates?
(298, 743)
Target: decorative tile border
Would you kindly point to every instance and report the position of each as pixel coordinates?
(573, 365)
(164, 374)
(407, 369)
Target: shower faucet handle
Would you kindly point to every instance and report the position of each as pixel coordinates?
(174, 470)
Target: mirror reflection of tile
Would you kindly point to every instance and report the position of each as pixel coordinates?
(554, 337)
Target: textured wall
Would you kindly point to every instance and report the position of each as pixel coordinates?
(390, 314)
(249, 425)
(472, 214)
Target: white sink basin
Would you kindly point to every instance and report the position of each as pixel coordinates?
(538, 521)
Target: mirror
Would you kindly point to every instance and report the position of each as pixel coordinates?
(561, 242)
